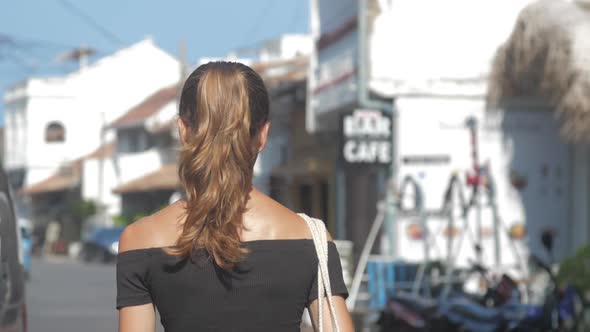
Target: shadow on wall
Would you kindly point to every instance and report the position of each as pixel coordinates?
(539, 173)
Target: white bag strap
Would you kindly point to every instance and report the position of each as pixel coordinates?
(320, 241)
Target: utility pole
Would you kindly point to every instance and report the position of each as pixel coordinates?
(182, 58)
(79, 54)
(101, 203)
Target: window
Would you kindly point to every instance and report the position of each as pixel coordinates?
(133, 140)
(55, 133)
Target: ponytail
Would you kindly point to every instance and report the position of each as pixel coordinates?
(223, 106)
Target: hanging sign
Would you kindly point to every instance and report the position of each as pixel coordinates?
(367, 137)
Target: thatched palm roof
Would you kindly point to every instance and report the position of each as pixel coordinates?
(547, 57)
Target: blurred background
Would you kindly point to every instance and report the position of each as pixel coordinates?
(443, 143)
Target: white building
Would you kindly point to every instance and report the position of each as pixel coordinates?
(287, 46)
(52, 123)
(145, 154)
(146, 136)
(429, 62)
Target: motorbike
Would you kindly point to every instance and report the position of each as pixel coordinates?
(563, 307)
(446, 311)
(499, 310)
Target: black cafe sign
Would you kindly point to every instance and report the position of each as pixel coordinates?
(366, 137)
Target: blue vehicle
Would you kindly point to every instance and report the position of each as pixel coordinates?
(13, 307)
(101, 245)
(26, 241)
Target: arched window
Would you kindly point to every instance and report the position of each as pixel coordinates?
(55, 133)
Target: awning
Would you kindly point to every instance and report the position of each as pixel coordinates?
(302, 167)
(68, 176)
(165, 178)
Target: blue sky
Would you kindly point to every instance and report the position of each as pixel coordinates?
(33, 33)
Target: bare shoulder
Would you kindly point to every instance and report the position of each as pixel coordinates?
(136, 235)
(156, 230)
(281, 222)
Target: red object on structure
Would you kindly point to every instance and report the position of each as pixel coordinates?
(474, 177)
(415, 231)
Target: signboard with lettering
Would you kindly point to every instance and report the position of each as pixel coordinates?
(367, 137)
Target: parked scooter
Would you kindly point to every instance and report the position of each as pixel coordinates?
(407, 312)
(561, 311)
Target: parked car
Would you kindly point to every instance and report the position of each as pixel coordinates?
(101, 245)
(13, 312)
(26, 241)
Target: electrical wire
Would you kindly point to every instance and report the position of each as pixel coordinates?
(91, 22)
(20, 41)
(295, 16)
(253, 31)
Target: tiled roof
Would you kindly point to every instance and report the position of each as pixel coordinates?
(166, 178)
(295, 75)
(261, 67)
(279, 72)
(167, 126)
(67, 178)
(104, 151)
(146, 108)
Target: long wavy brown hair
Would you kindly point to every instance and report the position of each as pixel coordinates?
(223, 106)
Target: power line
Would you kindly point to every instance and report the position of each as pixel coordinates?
(20, 41)
(90, 21)
(258, 23)
(24, 51)
(295, 15)
(25, 67)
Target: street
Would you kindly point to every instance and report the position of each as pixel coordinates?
(67, 296)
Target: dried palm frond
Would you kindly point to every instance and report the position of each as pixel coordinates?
(547, 57)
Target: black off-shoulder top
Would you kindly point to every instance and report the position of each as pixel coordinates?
(268, 291)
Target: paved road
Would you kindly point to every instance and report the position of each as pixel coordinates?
(65, 296)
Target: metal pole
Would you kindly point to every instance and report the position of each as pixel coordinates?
(366, 101)
(360, 269)
(472, 125)
(340, 201)
(495, 216)
(450, 225)
(102, 205)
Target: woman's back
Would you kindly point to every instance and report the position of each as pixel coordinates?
(227, 257)
(267, 291)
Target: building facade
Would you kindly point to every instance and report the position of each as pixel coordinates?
(432, 75)
(147, 140)
(54, 124)
(146, 154)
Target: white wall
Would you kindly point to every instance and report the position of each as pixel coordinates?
(164, 116)
(81, 135)
(295, 45)
(91, 186)
(283, 47)
(580, 231)
(430, 46)
(15, 133)
(519, 140)
(84, 101)
(134, 165)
